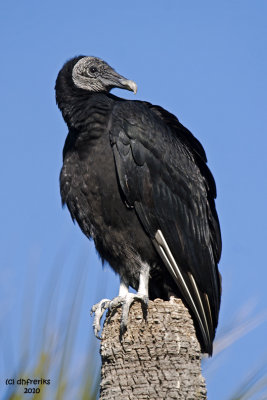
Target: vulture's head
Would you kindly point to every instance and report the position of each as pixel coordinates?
(95, 75)
(91, 74)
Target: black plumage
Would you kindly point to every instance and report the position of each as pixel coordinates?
(136, 181)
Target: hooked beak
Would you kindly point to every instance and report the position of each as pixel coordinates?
(118, 81)
(129, 85)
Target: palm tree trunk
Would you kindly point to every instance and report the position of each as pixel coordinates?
(156, 358)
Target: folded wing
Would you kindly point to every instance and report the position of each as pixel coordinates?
(162, 173)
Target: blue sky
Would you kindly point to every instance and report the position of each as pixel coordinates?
(204, 61)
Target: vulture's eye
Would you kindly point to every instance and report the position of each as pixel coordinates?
(93, 69)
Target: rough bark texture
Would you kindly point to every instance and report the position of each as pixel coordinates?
(157, 358)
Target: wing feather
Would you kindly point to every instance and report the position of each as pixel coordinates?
(196, 303)
(163, 175)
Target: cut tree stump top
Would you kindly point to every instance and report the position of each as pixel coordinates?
(158, 357)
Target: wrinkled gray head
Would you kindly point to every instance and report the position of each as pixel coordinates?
(95, 75)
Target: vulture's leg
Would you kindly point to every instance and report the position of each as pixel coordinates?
(124, 299)
(141, 295)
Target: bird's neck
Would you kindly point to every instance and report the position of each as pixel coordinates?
(76, 104)
(68, 97)
(81, 109)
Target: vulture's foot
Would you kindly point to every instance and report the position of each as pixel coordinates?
(125, 301)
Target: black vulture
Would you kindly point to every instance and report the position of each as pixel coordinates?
(137, 183)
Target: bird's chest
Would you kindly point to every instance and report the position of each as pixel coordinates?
(89, 187)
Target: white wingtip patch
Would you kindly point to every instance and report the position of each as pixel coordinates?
(200, 303)
(168, 259)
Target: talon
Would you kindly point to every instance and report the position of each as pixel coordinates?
(99, 309)
(124, 301)
(129, 299)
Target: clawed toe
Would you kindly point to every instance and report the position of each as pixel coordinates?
(124, 301)
(99, 309)
(129, 299)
